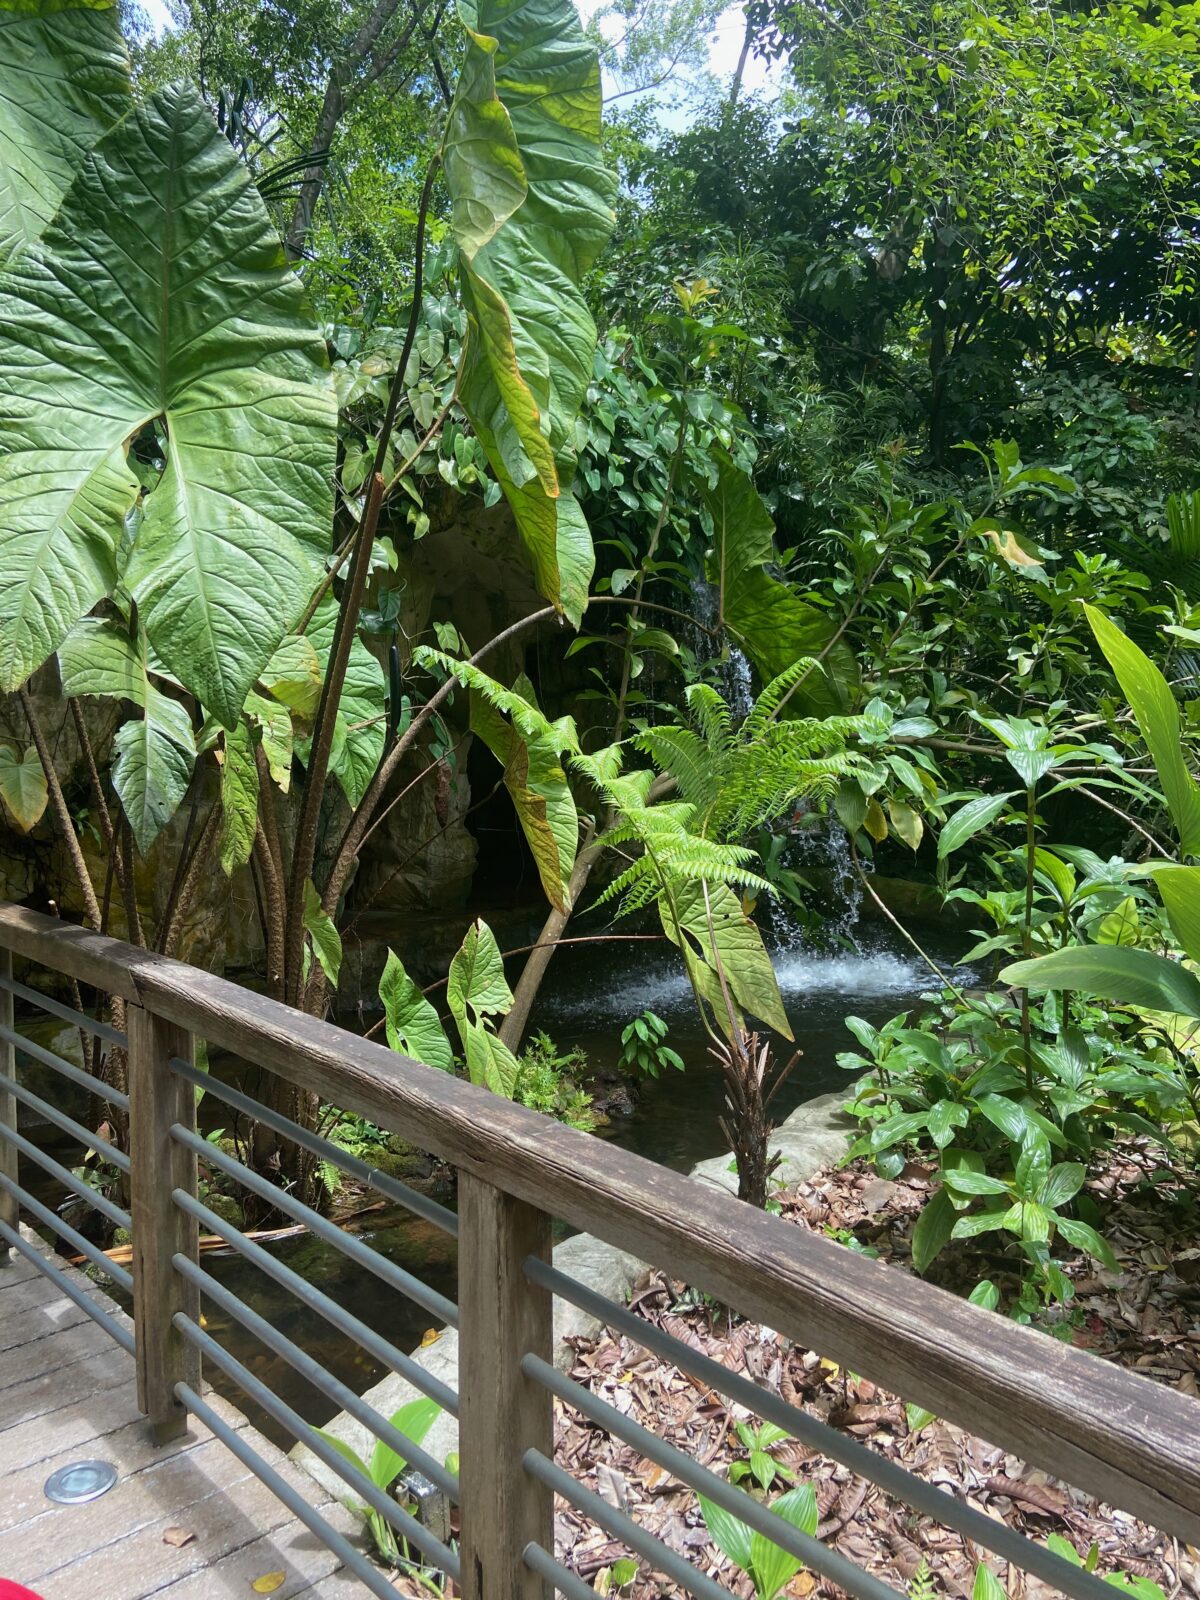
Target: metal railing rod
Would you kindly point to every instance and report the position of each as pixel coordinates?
(441, 1216)
(407, 1527)
(308, 1295)
(887, 1475)
(353, 1560)
(105, 1206)
(395, 1277)
(669, 1562)
(60, 1119)
(58, 1008)
(114, 1097)
(811, 1551)
(68, 1234)
(565, 1582)
(111, 1326)
(314, 1373)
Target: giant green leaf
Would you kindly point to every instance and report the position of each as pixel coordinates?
(360, 727)
(531, 210)
(1180, 890)
(1114, 973)
(64, 80)
(477, 989)
(718, 932)
(1153, 704)
(239, 798)
(153, 754)
(541, 797)
(412, 1023)
(171, 302)
(773, 625)
(23, 786)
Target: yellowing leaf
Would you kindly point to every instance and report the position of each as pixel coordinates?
(430, 1336)
(269, 1582)
(22, 786)
(875, 822)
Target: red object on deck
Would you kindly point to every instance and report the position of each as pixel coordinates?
(14, 1591)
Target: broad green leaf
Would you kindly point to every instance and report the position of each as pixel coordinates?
(362, 711)
(414, 1421)
(153, 755)
(274, 722)
(541, 797)
(932, 1232)
(970, 820)
(239, 799)
(733, 940)
(963, 1181)
(906, 823)
(60, 563)
(477, 989)
(530, 339)
(985, 1294)
(477, 976)
(986, 1585)
(1120, 926)
(944, 1117)
(175, 305)
(1153, 704)
(1120, 976)
(1063, 1183)
(769, 620)
(770, 1566)
(23, 786)
(729, 1533)
(1085, 1237)
(325, 939)
(293, 674)
(489, 1060)
(1180, 890)
(412, 1022)
(64, 80)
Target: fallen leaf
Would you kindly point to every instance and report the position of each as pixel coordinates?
(269, 1582)
(178, 1537)
(430, 1336)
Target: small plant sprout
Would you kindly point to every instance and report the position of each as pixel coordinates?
(414, 1420)
(644, 1048)
(761, 1464)
(769, 1568)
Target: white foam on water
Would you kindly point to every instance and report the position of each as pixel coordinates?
(802, 973)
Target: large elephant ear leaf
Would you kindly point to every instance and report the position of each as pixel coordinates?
(541, 796)
(153, 755)
(176, 305)
(531, 210)
(771, 623)
(64, 80)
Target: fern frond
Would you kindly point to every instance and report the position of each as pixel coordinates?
(764, 708)
(684, 755)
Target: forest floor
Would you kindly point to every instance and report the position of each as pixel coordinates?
(1146, 1317)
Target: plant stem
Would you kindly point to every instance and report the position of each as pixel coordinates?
(1027, 929)
(62, 815)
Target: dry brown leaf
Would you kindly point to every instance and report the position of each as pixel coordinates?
(177, 1537)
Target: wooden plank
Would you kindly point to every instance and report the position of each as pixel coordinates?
(307, 1564)
(36, 1311)
(159, 1098)
(161, 1496)
(1114, 1434)
(8, 1109)
(502, 1414)
(84, 1380)
(78, 1343)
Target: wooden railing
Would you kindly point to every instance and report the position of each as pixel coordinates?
(1119, 1437)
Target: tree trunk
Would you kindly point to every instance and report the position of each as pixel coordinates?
(735, 88)
(512, 1029)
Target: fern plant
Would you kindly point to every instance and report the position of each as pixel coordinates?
(737, 776)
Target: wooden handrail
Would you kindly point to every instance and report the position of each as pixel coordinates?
(1112, 1433)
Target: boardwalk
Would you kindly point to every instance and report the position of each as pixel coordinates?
(66, 1394)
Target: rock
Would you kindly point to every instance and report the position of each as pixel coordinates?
(813, 1136)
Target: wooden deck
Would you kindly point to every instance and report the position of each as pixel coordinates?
(66, 1394)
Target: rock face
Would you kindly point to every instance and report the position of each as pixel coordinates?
(813, 1136)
